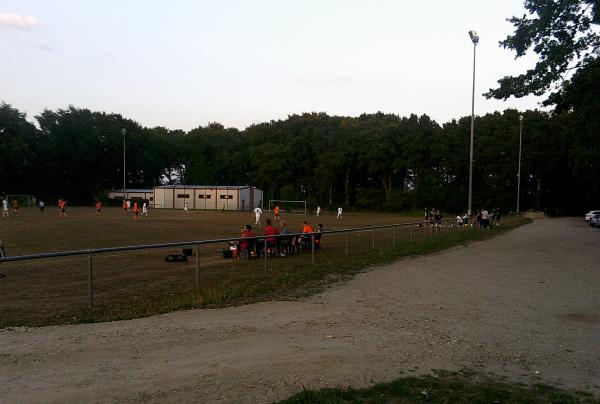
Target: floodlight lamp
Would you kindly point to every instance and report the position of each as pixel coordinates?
(474, 37)
(521, 118)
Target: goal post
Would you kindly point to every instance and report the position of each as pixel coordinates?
(289, 207)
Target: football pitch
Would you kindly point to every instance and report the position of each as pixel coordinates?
(133, 284)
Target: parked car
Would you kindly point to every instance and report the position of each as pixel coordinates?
(595, 220)
(588, 216)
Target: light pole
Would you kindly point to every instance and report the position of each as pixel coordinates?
(519, 169)
(124, 131)
(475, 40)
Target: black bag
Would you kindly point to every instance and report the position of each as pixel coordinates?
(176, 258)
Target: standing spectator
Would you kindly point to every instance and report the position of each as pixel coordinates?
(4, 207)
(42, 205)
(339, 215)
(478, 219)
(485, 218)
(257, 212)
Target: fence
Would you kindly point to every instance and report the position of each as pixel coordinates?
(400, 232)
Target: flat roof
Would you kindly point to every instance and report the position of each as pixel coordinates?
(132, 190)
(206, 186)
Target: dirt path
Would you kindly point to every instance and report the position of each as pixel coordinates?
(525, 305)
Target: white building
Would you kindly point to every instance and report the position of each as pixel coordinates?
(132, 193)
(207, 197)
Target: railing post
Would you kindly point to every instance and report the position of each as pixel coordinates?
(90, 281)
(411, 233)
(312, 243)
(347, 242)
(373, 238)
(197, 266)
(265, 253)
(394, 234)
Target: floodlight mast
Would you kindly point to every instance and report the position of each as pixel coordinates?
(124, 131)
(519, 169)
(475, 39)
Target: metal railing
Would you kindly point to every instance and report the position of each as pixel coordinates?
(431, 230)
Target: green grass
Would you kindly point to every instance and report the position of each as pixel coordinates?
(289, 278)
(138, 284)
(443, 387)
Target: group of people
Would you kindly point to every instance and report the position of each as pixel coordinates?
(128, 206)
(433, 216)
(283, 245)
(15, 206)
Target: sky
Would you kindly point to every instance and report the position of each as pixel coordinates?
(184, 64)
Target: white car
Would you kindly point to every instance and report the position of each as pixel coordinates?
(588, 215)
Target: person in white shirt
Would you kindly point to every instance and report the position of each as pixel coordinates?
(185, 207)
(4, 207)
(257, 213)
(339, 215)
(145, 209)
(318, 210)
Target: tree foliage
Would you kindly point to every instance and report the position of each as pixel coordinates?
(565, 36)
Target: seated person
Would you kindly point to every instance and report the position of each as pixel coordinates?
(272, 242)
(305, 240)
(246, 242)
(318, 236)
(285, 243)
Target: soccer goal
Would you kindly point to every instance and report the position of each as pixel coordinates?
(26, 201)
(289, 207)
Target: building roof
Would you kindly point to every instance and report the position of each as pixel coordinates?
(132, 190)
(205, 186)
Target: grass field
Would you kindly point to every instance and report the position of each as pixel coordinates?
(135, 284)
(444, 387)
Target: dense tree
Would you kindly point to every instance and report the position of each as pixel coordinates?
(565, 36)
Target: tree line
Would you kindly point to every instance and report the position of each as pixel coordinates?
(373, 161)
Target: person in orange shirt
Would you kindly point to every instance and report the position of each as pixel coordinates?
(276, 212)
(15, 206)
(98, 207)
(306, 239)
(136, 211)
(63, 208)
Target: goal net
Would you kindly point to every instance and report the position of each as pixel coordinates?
(25, 201)
(289, 207)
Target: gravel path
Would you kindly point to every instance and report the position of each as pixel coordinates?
(525, 305)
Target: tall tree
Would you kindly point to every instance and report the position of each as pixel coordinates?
(565, 36)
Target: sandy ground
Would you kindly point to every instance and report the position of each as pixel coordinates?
(525, 305)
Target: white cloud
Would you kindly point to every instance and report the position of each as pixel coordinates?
(17, 21)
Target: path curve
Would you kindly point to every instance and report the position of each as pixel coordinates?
(525, 305)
